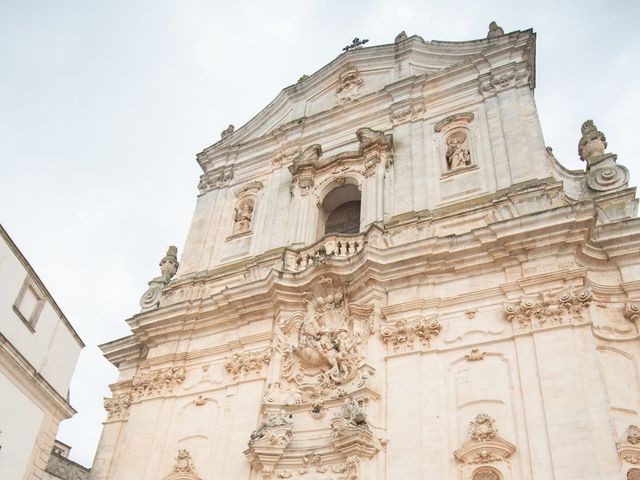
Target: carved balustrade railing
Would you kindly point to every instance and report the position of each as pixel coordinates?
(335, 246)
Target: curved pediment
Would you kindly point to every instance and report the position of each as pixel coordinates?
(355, 75)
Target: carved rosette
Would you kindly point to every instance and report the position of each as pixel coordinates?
(629, 446)
(158, 382)
(117, 407)
(183, 468)
(247, 363)
(548, 310)
(632, 311)
(484, 444)
(406, 335)
(608, 177)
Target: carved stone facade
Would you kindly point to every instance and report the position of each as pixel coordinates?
(478, 320)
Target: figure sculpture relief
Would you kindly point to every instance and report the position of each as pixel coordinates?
(274, 420)
(242, 216)
(227, 131)
(457, 154)
(495, 30)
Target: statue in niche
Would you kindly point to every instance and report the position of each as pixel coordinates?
(242, 217)
(457, 155)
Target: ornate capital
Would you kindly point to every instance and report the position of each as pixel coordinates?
(404, 334)
(246, 363)
(218, 178)
(158, 382)
(548, 309)
(503, 78)
(117, 406)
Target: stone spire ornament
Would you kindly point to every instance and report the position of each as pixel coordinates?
(603, 173)
(592, 143)
(168, 269)
(169, 264)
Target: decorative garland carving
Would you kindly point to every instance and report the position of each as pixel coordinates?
(629, 445)
(404, 335)
(475, 355)
(183, 468)
(117, 406)
(158, 381)
(484, 444)
(548, 309)
(245, 363)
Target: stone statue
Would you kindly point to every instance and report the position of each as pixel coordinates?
(495, 30)
(227, 131)
(401, 37)
(169, 264)
(457, 156)
(592, 143)
(242, 217)
(274, 420)
(353, 413)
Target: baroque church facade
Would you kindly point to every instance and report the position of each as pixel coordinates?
(389, 276)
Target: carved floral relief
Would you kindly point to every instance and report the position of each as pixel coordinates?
(548, 309)
(484, 444)
(406, 335)
(117, 406)
(349, 85)
(246, 363)
(159, 381)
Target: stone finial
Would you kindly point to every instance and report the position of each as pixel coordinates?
(169, 264)
(227, 131)
(592, 143)
(401, 37)
(495, 30)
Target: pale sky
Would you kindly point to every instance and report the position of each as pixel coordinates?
(104, 104)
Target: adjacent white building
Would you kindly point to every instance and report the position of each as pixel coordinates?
(38, 352)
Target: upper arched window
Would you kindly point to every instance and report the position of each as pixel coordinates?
(340, 211)
(344, 219)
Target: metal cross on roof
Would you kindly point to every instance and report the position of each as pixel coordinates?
(356, 43)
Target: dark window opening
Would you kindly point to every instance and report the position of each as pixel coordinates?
(344, 219)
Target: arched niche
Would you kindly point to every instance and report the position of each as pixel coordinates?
(486, 473)
(340, 211)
